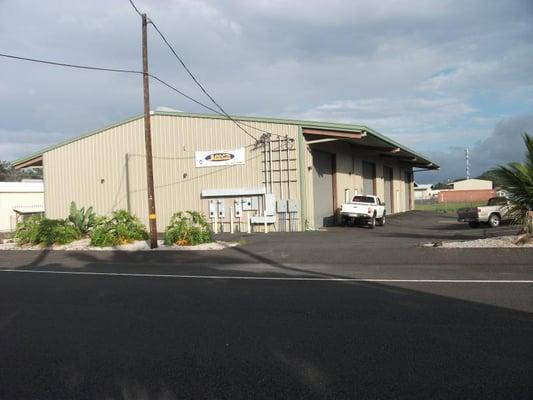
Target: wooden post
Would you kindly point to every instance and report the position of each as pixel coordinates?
(148, 139)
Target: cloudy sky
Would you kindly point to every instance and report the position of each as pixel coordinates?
(438, 76)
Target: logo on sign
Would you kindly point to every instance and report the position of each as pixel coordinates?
(214, 157)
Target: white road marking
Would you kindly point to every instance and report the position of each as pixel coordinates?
(265, 278)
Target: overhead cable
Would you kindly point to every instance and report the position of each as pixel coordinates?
(119, 70)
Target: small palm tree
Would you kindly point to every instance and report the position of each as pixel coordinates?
(517, 181)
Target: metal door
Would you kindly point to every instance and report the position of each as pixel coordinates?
(369, 172)
(322, 188)
(387, 181)
(408, 180)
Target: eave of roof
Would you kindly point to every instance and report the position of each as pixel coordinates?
(303, 123)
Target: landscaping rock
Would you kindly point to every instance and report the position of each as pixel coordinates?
(495, 242)
(139, 245)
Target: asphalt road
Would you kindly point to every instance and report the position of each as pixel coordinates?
(270, 319)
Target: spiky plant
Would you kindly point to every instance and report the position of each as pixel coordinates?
(517, 181)
(82, 219)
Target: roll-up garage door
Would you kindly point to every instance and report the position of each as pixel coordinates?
(369, 174)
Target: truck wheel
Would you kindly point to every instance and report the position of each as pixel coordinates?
(373, 222)
(381, 221)
(494, 220)
(473, 224)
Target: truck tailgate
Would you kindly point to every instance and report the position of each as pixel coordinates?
(467, 214)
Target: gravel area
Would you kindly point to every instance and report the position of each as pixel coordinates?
(83, 245)
(501, 241)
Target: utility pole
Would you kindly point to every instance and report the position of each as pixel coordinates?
(148, 139)
(467, 157)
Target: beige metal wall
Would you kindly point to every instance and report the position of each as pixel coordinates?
(472, 184)
(107, 170)
(349, 162)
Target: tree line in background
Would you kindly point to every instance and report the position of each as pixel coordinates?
(10, 174)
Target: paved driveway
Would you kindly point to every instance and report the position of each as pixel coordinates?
(402, 230)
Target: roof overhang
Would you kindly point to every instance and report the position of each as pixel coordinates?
(32, 162)
(368, 141)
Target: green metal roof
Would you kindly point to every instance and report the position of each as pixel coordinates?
(307, 124)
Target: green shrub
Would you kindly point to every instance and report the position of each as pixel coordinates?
(121, 228)
(82, 219)
(103, 233)
(27, 231)
(129, 227)
(57, 231)
(189, 228)
(40, 230)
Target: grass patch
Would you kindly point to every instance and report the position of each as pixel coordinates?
(447, 207)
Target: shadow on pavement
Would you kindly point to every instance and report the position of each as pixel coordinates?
(122, 338)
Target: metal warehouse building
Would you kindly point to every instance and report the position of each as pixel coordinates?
(295, 178)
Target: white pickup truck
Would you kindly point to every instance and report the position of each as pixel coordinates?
(368, 209)
(496, 211)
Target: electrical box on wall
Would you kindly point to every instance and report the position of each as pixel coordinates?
(247, 204)
(221, 213)
(255, 203)
(270, 204)
(212, 208)
(238, 208)
(281, 206)
(292, 206)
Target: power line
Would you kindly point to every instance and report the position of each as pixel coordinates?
(78, 66)
(197, 82)
(93, 68)
(120, 70)
(202, 88)
(135, 8)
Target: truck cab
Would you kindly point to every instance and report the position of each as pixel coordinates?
(365, 209)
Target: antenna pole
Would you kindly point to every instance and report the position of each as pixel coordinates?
(467, 157)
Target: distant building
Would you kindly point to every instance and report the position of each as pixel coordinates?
(467, 191)
(18, 199)
(472, 184)
(425, 191)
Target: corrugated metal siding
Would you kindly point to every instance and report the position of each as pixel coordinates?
(349, 175)
(107, 170)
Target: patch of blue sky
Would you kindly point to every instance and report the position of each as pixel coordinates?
(502, 106)
(444, 72)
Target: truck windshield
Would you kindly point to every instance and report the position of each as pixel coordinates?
(363, 199)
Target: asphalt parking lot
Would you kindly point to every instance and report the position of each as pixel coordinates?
(341, 314)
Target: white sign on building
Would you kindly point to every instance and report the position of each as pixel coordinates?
(219, 157)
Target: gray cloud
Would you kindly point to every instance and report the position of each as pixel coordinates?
(429, 74)
(504, 145)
